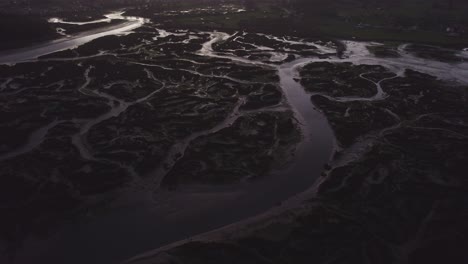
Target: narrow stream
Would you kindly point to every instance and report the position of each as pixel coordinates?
(34, 140)
(138, 224)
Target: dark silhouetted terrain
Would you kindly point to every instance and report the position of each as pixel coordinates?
(270, 131)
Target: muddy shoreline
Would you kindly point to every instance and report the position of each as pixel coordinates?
(163, 118)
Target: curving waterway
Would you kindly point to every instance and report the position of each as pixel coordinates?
(136, 224)
(31, 53)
